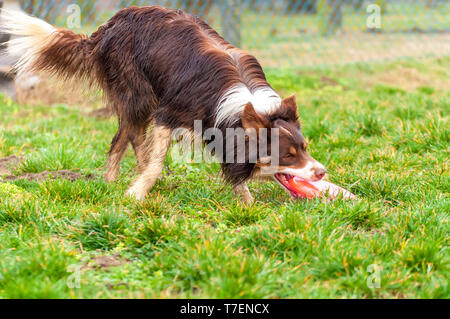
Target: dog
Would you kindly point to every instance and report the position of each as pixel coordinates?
(162, 69)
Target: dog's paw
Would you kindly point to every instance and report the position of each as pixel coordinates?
(244, 194)
(110, 177)
(247, 199)
(136, 194)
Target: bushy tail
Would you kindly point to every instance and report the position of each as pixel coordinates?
(39, 46)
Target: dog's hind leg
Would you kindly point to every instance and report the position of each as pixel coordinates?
(117, 151)
(137, 139)
(159, 140)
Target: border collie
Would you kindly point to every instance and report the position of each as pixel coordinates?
(163, 69)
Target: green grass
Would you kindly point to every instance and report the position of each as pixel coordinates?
(385, 140)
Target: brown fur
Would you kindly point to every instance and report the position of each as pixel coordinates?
(144, 79)
(169, 68)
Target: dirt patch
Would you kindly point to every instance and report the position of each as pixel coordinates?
(103, 113)
(62, 174)
(105, 262)
(328, 81)
(7, 163)
(409, 79)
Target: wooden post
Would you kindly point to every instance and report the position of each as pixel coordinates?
(358, 5)
(302, 6)
(231, 21)
(330, 16)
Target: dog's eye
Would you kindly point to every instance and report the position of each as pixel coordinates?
(292, 151)
(289, 155)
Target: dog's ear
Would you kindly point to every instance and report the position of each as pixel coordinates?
(251, 119)
(289, 106)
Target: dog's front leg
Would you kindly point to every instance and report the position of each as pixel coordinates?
(242, 191)
(159, 138)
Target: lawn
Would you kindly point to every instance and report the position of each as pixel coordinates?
(381, 130)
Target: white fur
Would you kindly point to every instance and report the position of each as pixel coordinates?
(232, 103)
(29, 36)
(307, 172)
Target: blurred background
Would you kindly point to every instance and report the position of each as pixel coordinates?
(287, 33)
(294, 32)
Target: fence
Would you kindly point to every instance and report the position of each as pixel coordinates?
(292, 33)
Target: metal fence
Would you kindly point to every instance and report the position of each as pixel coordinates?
(291, 33)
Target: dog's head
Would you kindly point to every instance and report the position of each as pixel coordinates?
(289, 156)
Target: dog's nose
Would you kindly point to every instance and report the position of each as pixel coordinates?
(319, 173)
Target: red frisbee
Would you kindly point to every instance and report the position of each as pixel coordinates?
(300, 188)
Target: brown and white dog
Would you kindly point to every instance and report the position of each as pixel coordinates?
(162, 69)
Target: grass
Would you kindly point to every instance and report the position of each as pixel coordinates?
(385, 137)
